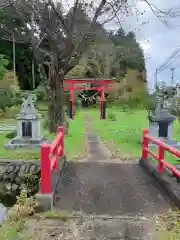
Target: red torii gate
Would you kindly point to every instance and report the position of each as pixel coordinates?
(102, 88)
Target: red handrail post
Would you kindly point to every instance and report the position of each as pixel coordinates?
(45, 169)
(61, 130)
(160, 158)
(57, 157)
(56, 164)
(145, 143)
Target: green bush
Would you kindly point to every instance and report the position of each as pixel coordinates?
(40, 93)
(15, 221)
(11, 112)
(17, 100)
(111, 116)
(3, 64)
(6, 99)
(134, 102)
(150, 104)
(11, 134)
(45, 123)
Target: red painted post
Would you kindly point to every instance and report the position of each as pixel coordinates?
(100, 109)
(145, 143)
(160, 157)
(101, 101)
(56, 154)
(61, 129)
(45, 169)
(72, 98)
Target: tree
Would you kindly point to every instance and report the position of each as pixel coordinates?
(23, 57)
(131, 35)
(3, 65)
(97, 61)
(128, 53)
(59, 37)
(6, 3)
(6, 88)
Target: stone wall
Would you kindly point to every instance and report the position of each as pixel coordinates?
(19, 175)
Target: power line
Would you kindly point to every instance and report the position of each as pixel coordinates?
(156, 79)
(171, 63)
(164, 65)
(168, 59)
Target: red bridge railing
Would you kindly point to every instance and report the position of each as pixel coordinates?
(50, 156)
(162, 147)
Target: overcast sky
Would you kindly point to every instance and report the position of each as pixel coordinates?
(157, 40)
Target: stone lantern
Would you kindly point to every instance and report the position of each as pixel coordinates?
(28, 126)
(161, 124)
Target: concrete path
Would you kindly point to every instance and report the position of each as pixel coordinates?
(115, 200)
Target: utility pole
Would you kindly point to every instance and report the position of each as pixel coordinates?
(156, 79)
(172, 76)
(33, 75)
(14, 57)
(33, 70)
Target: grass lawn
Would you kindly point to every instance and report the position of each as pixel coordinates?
(123, 135)
(75, 142)
(19, 153)
(75, 145)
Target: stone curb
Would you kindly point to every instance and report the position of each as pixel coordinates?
(18, 161)
(45, 201)
(166, 182)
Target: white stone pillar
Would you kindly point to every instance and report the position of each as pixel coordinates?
(19, 128)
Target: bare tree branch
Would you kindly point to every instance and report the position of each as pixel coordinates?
(162, 14)
(60, 16)
(115, 14)
(73, 16)
(69, 50)
(8, 5)
(83, 44)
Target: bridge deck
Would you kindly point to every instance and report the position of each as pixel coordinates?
(109, 188)
(111, 199)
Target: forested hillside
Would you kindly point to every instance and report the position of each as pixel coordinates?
(112, 56)
(117, 55)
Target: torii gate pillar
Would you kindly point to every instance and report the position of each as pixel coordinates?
(102, 104)
(71, 102)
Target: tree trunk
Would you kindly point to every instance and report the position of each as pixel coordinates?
(56, 106)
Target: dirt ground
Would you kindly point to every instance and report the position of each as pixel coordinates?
(91, 227)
